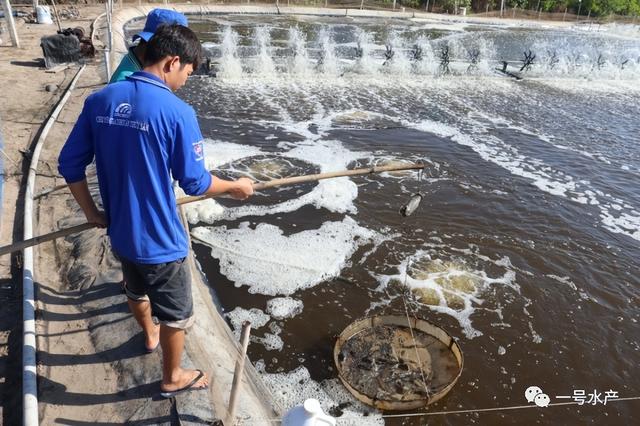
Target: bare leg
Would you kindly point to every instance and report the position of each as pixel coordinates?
(141, 310)
(173, 376)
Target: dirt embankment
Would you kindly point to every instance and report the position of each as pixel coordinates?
(79, 375)
(92, 367)
(24, 107)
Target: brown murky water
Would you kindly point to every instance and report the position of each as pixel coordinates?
(525, 247)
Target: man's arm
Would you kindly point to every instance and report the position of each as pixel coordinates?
(187, 164)
(80, 191)
(76, 154)
(239, 189)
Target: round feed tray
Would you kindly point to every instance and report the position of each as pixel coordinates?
(397, 363)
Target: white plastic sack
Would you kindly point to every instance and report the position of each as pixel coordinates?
(43, 15)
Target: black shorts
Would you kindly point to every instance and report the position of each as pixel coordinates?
(166, 285)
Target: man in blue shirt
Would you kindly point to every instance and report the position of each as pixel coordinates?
(132, 61)
(143, 137)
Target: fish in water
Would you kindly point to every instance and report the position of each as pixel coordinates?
(412, 205)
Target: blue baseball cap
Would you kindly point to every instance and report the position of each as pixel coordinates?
(158, 17)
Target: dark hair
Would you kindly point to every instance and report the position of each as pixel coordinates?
(173, 40)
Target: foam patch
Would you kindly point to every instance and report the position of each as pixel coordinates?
(448, 286)
(255, 316)
(293, 388)
(336, 195)
(284, 307)
(302, 260)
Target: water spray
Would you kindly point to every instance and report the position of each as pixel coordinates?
(527, 61)
(416, 53)
(474, 58)
(553, 60)
(358, 52)
(445, 59)
(388, 54)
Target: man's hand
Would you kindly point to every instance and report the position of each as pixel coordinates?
(80, 191)
(241, 189)
(97, 218)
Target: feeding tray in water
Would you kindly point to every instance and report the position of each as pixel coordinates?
(392, 362)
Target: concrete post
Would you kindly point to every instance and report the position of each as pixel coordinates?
(8, 15)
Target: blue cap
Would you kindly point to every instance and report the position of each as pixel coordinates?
(158, 17)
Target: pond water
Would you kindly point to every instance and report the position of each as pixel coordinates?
(525, 246)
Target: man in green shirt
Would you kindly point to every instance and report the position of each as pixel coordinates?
(133, 60)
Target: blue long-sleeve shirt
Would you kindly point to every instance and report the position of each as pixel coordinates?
(142, 137)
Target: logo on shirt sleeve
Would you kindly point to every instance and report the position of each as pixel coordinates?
(123, 110)
(198, 149)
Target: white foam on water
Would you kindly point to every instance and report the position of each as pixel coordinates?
(284, 307)
(217, 153)
(624, 219)
(336, 195)
(624, 223)
(293, 388)
(271, 341)
(303, 260)
(258, 319)
(207, 211)
(625, 31)
(495, 151)
(330, 155)
(438, 285)
(239, 315)
(564, 280)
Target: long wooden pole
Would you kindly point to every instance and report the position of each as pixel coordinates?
(184, 200)
(55, 13)
(312, 178)
(238, 373)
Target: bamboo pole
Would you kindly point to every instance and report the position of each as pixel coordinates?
(55, 13)
(238, 373)
(185, 200)
(312, 178)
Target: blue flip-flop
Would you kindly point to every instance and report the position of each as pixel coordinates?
(187, 388)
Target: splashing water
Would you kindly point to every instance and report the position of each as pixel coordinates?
(230, 65)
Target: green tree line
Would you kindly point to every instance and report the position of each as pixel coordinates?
(593, 7)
